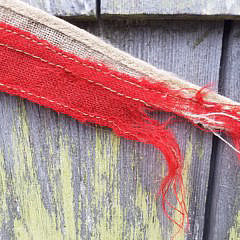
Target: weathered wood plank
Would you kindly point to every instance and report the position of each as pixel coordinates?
(225, 210)
(82, 8)
(181, 48)
(175, 7)
(60, 179)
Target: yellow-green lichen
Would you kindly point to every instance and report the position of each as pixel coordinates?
(3, 192)
(187, 162)
(149, 216)
(34, 222)
(67, 192)
(110, 220)
(235, 230)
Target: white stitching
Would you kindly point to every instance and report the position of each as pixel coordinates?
(37, 57)
(63, 105)
(68, 71)
(84, 64)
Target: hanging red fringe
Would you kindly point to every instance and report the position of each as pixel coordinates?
(92, 92)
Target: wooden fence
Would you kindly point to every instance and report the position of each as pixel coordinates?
(60, 179)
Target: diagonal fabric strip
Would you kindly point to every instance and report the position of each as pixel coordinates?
(93, 91)
(90, 92)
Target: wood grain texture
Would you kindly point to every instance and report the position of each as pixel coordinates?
(224, 222)
(60, 179)
(176, 7)
(82, 8)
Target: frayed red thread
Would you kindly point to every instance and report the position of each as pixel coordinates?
(89, 92)
(92, 92)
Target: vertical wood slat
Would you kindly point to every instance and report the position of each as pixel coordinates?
(173, 46)
(224, 222)
(63, 179)
(82, 8)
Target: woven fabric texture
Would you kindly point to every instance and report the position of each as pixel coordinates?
(90, 92)
(79, 42)
(93, 82)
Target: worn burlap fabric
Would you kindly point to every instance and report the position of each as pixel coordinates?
(156, 89)
(77, 41)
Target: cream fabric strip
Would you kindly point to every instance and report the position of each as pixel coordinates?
(75, 40)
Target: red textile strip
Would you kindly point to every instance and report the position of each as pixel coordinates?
(92, 92)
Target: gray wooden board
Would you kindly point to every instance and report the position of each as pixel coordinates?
(112, 194)
(81, 8)
(225, 210)
(186, 49)
(176, 7)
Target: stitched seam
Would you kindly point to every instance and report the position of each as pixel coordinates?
(91, 67)
(68, 71)
(36, 57)
(72, 59)
(86, 65)
(63, 105)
